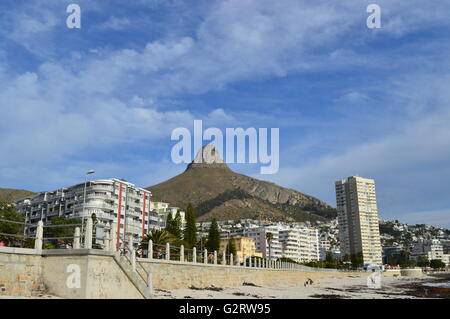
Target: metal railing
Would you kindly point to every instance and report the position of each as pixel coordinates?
(136, 265)
(14, 239)
(173, 253)
(129, 254)
(42, 237)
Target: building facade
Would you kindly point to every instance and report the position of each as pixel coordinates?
(290, 240)
(159, 213)
(359, 230)
(111, 200)
(300, 243)
(430, 249)
(245, 247)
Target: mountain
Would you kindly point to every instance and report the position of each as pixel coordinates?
(216, 191)
(9, 195)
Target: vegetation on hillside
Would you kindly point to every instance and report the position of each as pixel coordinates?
(224, 194)
(10, 195)
(388, 228)
(310, 212)
(208, 205)
(297, 212)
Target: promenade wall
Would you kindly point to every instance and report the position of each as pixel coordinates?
(102, 274)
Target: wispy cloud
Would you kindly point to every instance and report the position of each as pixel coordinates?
(115, 23)
(372, 102)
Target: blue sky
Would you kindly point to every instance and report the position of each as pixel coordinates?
(348, 100)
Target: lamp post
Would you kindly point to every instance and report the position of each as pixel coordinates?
(84, 197)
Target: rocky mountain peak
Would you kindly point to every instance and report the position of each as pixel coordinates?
(207, 157)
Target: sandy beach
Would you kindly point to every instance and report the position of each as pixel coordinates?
(351, 287)
(328, 288)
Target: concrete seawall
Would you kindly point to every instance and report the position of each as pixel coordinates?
(20, 272)
(176, 275)
(408, 272)
(24, 272)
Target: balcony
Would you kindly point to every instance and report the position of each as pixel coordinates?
(95, 205)
(102, 196)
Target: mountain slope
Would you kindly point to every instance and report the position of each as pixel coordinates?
(217, 191)
(9, 195)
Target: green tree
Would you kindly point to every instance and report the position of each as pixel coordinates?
(213, 243)
(177, 226)
(329, 257)
(357, 260)
(231, 248)
(347, 258)
(173, 226)
(423, 262)
(169, 223)
(8, 212)
(159, 237)
(63, 231)
(190, 232)
(201, 244)
(437, 263)
(29, 243)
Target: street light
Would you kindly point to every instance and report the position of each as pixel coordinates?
(84, 197)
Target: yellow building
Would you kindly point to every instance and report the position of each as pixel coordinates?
(245, 247)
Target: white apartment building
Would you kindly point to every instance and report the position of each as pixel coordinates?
(295, 241)
(430, 249)
(358, 219)
(270, 249)
(300, 243)
(160, 211)
(111, 200)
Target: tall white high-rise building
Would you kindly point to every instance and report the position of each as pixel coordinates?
(359, 230)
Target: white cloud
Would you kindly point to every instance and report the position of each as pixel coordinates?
(408, 162)
(96, 101)
(353, 97)
(115, 23)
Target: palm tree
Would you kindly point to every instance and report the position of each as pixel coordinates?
(159, 237)
(269, 238)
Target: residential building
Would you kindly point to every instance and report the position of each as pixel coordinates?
(245, 247)
(111, 200)
(358, 219)
(269, 249)
(291, 240)
(430, 249)
(324, 248)
(160, 211)
(299, 243)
